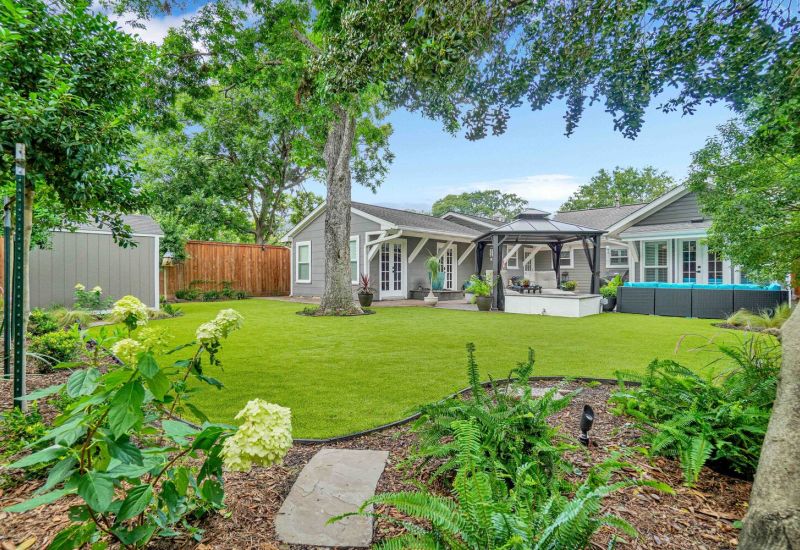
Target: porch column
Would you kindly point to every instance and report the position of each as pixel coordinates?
(479, 258)
(595, 285)
(498, 301)
(555, 248)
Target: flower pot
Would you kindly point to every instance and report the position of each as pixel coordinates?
(484, 303)
(609, 303)
(431, 299)
(365, 299)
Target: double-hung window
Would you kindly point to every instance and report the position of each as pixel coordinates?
(656, 261)
(565, 260)
(617, 257)
(513, 260)
(303, 262)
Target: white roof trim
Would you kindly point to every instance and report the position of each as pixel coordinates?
(319, 209)
(664, 200)
(468, 219)
(658, 235)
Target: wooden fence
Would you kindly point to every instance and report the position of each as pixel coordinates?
(261, 270)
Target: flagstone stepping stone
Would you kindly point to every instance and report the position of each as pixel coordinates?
(334, 482)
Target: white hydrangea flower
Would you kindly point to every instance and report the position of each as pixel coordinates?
(80, 287)
(210, 333)
(97, 289)
(263, 439)
(130, 310)
(127, 349)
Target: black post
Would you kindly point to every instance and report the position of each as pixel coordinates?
(497, 265)
(19, 280)
(555, 248)
(595, 265)
(7, 288)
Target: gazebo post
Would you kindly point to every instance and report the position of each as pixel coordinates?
(595, 285)
(497, 264)
(479, 250)
(556, 249)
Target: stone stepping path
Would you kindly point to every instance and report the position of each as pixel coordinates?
(334, 482)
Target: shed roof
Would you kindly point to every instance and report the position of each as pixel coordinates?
(140, 224)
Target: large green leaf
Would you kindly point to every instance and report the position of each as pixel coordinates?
(58, 473)
(45, 455)
(158, 384)
(97, 489)
(147, 365)
(126, 408)
(38, 500)
(123, 450)
(82, 382)
(138, 499)
(44, 392)
(178, 431)
(74, 536)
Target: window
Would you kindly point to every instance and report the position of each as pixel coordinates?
(656, 261)
(303, 263)
(617, 257)
(714, 268)
(354, 260)
(566, 258)
(513, 260)
(744, 279)
(689, 261)
(529, 258)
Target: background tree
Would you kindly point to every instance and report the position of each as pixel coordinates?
(490, 204)
(75, 113)
(620, 186)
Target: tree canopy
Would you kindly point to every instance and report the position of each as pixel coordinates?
(490, 204)
(620, 186)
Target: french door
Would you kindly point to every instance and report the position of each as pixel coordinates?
(392, 266)
(449, 266)
(698, 264)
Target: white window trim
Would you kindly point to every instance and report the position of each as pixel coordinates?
(358, 258)
(619, 266)
(669, 266)
(514, 257)
(297, 246)
(564, 253)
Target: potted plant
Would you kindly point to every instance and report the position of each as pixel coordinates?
(468, 295)
(570, 286)
(609, 293)
(526, 283)
(365, 292)
(432, 267)
(482, 290)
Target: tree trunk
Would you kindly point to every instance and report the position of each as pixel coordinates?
(337, 297)
(773, 519)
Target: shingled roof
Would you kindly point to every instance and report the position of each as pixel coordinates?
(598, 218)
(414, 220)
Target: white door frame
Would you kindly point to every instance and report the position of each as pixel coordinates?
(441, 251)
(700, 266)
(394, 294)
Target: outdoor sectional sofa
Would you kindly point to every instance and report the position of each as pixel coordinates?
(695, 300)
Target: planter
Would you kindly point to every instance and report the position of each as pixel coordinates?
(430, 300)
(484, 303)
(365, 299)
(609, 303)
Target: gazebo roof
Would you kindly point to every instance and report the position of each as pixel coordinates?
(534, 227)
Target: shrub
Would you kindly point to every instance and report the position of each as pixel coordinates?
(720, 419)
(41, 322)
(139, 472)
(91, 300)
(569, 285)
(210, 295)
(19, 429)
(479, 286)
(55, 347)
(68, 317)
(765, 319)
(187, 294)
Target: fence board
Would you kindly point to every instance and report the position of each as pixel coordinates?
(261, 270)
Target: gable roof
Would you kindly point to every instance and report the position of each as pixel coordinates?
(653, 206)
(139, 223)
(599, 218)
(404, 219)
(479, 220)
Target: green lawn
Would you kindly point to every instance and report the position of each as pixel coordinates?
(339, 375)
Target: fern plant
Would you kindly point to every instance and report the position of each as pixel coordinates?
(719, 417)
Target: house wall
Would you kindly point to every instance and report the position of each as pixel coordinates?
(93, 259)
(685, 209)
(417, 275)
(315, 232)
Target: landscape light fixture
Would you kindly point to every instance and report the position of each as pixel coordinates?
(587, 419)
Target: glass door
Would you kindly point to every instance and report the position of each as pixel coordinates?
(448, 266)
(688, 266)
(392, 266)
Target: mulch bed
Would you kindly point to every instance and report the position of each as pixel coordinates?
(700, 518)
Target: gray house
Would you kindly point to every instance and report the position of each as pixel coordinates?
(90, 256)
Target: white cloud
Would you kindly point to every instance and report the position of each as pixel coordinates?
(545, 191)
(155, 29)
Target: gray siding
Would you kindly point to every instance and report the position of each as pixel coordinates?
(315, 232)
(685, 209)
(418, 277)
(93, 260)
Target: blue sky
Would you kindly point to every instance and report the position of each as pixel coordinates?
(533, 158)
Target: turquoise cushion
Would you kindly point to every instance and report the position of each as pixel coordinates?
(748, 287)
(774, 286)
(675, 285)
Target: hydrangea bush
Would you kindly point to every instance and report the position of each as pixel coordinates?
(91, 300)
(120, 446)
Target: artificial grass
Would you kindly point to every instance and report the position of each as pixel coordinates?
(343, 374)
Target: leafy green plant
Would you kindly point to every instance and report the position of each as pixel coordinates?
(91, 300)
(69, 317)
(56, 347)
(480, 287)
(141, 472)
(717, 418)
(41, 322)
(765, 319)
(210, 295)
(19, 429)
(187, 294)
(432, 268)
(569, 285)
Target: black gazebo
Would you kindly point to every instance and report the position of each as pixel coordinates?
(533, 226)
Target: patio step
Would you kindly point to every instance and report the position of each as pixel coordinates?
(334, 482)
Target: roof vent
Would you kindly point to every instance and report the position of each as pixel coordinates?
(532, 214)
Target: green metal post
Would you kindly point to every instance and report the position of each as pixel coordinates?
(19, 279)
(7, 288)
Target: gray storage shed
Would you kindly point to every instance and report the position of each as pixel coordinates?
(90, 256)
